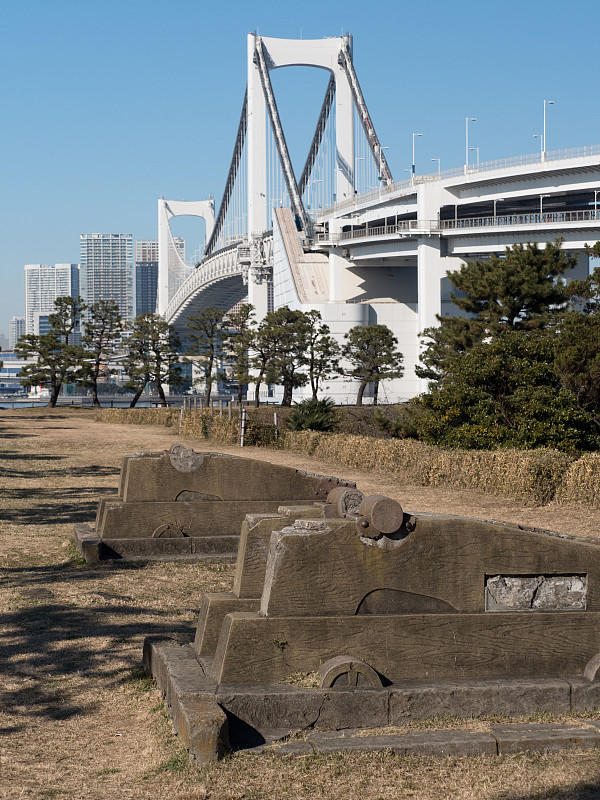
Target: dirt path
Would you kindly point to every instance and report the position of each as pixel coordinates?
(77, 717)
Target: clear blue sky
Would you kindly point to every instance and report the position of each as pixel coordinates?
(109, 104)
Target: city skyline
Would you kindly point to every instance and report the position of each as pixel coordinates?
(421, 69)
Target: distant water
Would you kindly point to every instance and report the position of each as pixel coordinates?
(85, 402)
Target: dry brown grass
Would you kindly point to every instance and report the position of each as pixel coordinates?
(77, 717)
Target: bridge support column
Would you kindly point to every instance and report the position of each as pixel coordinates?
(258, 296)
(256, 144)
(337, 267)
(431, 268)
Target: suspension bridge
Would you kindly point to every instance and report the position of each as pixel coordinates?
(344, 237)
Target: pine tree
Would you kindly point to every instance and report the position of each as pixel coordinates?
(238, 340)
(372, 350)
(152, 356)
(323, 354)
(518, 292)
(57, 360)
(103, 328)
(205, 333)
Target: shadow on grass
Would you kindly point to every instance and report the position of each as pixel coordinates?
(54, 506)
(48, 645)
(581, 791)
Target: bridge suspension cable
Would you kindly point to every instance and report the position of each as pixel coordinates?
(318, 135)
(282, 148)
(345, 60)
(217, 236)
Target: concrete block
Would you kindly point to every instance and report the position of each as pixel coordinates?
(437, 743)
(418, 700)
(543, 738)
(585, 695)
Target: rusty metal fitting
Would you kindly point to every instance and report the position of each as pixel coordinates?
(346, 500)
(383, 514)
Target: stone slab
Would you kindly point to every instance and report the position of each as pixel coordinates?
(255, 539)
(435, 743)
(152, 477)
(291, 709)
(519, 697)
(135, 520)
(261, 715)
(446, 559)
(87, 543)
(544, 738)
(254, 649)
(194, 547)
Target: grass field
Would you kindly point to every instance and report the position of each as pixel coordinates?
(78, 719)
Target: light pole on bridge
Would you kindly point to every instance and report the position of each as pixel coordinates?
(439, 163)
(540, 136)
(412, 174)
(546, 103)
(467, 120)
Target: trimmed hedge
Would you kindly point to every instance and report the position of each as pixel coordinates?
(528, 474)
(537, 476)
(169, 417)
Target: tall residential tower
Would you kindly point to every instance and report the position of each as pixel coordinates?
(146, 272)
(43, 284)
(107, 270)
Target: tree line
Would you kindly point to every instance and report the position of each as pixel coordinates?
(288, 348)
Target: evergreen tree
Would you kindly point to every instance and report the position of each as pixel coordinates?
(323, 353)
(520, 291)
(578, 353)
(103, 328)
(206, 332)
(152, 356)
(505, 391)
(284, 335)
(239, 337)
(57, 360)
(372, 351)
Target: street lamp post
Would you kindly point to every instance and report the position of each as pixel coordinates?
(439, 163)
(467, 120)
(497, 200)
(413, 154)
(477, 150)
(540, 136)
(596, 193)
(356, 160)
(310, 183)
(546, 103)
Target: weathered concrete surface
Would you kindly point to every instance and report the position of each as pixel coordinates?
(539, 593)
(214, 609)
(253, 648)
(430, 743)
(544, 738)
(447, 558)
(136, 520)
(180, 504)
(257, 715)
(152, 477)
(518, 697)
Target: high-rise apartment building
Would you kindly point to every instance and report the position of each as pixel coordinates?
(107, 270)
(43, 284)
(15, 331)
(146, 272)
